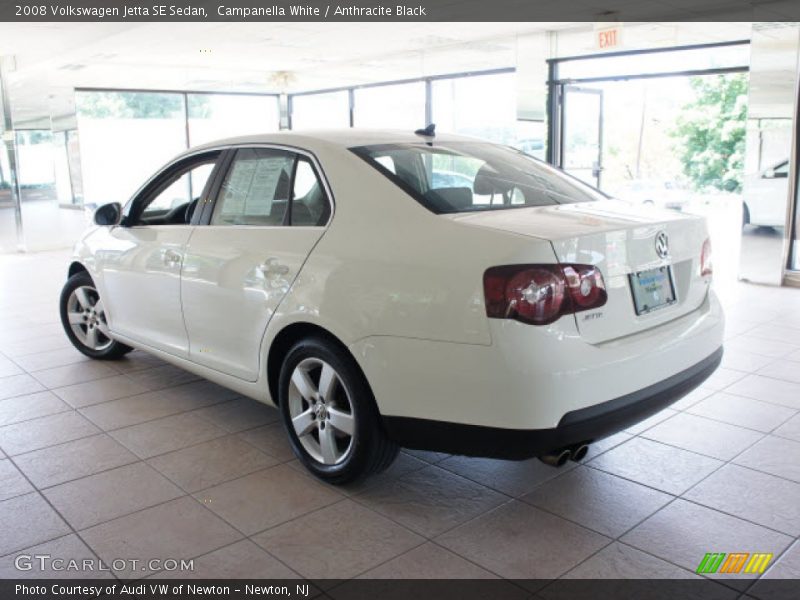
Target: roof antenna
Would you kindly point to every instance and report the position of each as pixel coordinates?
(429, 131)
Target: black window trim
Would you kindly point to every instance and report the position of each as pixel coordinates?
(165, 177)
(297, 152)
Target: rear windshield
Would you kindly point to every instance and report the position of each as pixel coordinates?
(474, 176)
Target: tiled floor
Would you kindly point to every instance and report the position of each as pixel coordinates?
(137, 459)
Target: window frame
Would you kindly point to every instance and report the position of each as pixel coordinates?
(226, 165)
(168, 175)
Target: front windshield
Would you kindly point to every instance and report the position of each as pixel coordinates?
(474, 176)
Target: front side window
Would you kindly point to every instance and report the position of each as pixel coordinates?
(471, 176)
(173, 198)
(256, 188)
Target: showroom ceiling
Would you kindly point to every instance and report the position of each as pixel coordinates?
(54, 58)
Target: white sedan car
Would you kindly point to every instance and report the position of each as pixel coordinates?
(509, 312)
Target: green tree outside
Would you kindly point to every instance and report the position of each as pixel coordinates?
(710, 132)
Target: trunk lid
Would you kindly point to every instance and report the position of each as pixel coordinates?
(620, 239)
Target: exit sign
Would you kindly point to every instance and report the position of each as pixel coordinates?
(608, 37)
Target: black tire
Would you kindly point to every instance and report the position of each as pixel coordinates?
(745, 215)
(370, 450)
(108, 350)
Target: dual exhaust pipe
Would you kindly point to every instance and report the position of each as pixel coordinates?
(559, 458)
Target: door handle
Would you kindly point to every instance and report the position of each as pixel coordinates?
(271, 266)
(171, 258)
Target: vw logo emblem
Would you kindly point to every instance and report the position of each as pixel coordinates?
(662, 244)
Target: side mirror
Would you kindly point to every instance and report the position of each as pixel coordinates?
(769, 174)
(108, 214)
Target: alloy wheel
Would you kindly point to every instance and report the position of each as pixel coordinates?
(87, 318)
(321, 411)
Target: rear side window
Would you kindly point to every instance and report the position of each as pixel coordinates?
(473, 176)
(256, 188)
(309, 205)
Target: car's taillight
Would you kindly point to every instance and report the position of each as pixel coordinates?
(706, 265)
(540, 294)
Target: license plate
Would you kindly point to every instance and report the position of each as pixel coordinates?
(652, 289)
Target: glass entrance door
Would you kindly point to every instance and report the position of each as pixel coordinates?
(582, 130)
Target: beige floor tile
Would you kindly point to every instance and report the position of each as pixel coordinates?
(683, 533)
(166, 435)
(704, 436)
(782, 369)
(790, 429)
(30, 406)
(44, 352)
(73, 460)
(240, 414)
(211, 463)
(428, 561)
(663, 467)
(605, 444)
(518, 541)
(125, 412)
(100, 390)
(759, 345)
(158, 378)
(67, 548)
(774, 455)
(363, 540)
(270, 439)
(742, 360)
(26, 521)
(12, 482)
(44, 431)
(18, 385)
(641, 426)
(600, 501)
(722, 378)
(692, 398)
(511, 477)
(8, 368)
(619, 561)
(428, 457)
(137, 361)
(111, 494)
(241, 560)
(431, 501)
(742, 411)
(768, 389)
(178, 529)
(752, 495)
(402, 465)
(775, 333)
(75, 373)
(267, 498)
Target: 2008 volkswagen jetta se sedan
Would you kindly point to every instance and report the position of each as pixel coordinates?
(388, 289)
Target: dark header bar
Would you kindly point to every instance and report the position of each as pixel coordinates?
(398, 10)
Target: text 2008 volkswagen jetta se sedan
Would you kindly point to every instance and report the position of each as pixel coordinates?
(386, 289)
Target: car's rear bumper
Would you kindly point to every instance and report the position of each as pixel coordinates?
(579, 426)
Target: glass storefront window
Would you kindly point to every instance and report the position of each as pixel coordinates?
(321, 111)
(483, 106)
(217, 116)
(124, 138)
(400, 106)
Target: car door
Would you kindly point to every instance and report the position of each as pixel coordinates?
(270, 210)
(142, 259)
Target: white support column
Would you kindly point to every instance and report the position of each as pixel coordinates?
(9, 146)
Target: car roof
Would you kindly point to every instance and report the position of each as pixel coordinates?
(344, 138)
